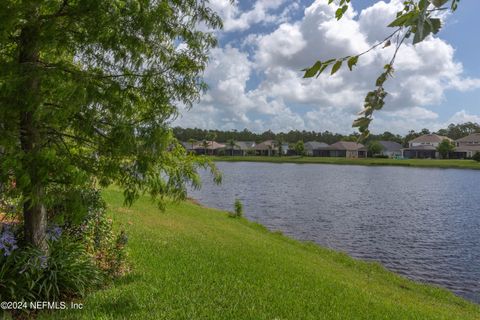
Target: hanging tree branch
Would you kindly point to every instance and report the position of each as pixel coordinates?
(417, 18)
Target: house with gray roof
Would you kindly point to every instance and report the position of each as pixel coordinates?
(391, 149)
(466, 147)
(241, 148)
(316, 149)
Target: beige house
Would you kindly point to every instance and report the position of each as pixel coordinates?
(466, 147)
(424, 146)
(348, 149)
(204, 147)
(266, 148)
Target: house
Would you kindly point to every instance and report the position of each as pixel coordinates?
(424, 147)
(241, 148)
(391, 149)
(316, 149)
(347, 149)
(466, 147)
(286, 150)
(266, 148)
(190, 146)
(204, 147)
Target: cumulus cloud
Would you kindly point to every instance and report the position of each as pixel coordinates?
(235, 19)
(260, 85)
(463, 116)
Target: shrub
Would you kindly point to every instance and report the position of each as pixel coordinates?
(476, 157)
(82, 212)
(97, 235)
(238, 209)
(82, 255)
(26, 274)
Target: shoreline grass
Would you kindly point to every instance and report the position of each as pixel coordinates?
(192, 262)
(421, 163)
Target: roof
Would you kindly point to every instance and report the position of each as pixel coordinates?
(472, 138)
(390, 145)
(429, 138)
(426, 147)
(346, 145)
(315, 145)
(212, 145)
(244, 145)
(266, 145)
(474, 148)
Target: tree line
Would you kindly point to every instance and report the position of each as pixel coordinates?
(453, 131)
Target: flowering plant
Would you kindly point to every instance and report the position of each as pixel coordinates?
(8, 242)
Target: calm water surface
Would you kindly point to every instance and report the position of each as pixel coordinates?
(421, 223)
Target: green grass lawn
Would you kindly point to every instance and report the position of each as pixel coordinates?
(196, 263)
(434, 163)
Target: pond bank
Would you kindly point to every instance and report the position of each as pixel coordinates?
(422, 163)
(192, 262)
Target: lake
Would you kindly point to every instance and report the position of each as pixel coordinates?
(421, 223)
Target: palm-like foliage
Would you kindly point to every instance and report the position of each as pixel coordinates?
(232, 144)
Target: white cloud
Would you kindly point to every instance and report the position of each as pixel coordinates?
(463, 116)
(234, 19)
(279, 99)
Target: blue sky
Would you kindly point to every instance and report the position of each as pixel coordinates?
(255, 79)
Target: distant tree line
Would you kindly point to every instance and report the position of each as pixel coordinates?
(453, 131)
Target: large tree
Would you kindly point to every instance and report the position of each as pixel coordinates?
(88, 89)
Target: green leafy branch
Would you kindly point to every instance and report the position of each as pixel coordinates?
(417, 18)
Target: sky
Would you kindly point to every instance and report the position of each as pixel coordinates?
(255, 78)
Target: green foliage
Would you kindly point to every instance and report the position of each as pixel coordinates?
(107, 249)
(95, 85)
(476, 156)
(300, 148)
(352, 61)
(81, 255)
(375, 147)
(68, 271)
(336, 66)
(457, 131)
(231, 144)
(292, 136)
(238, 209)
(445, 147)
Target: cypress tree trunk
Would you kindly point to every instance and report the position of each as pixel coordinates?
(35, 217)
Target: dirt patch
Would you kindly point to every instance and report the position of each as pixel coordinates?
(195, 202)
(124, 210)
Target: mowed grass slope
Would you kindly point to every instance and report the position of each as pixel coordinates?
(192, 262)
(431, 163)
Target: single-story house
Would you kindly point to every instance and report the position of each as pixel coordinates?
(391, 149)
(424, 147)
(466, 147)
(266, 148)
(347, 149)
(316, 149)
(241, 148)
(204, 147)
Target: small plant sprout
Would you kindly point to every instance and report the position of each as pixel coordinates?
(238, 209)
